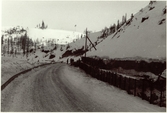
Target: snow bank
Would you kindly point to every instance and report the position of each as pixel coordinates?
(11, 66)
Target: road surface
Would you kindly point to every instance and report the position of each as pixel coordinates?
(47, 90)
(58, 87)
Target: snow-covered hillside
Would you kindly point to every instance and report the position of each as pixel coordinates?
(145, 37)
(62, 49)
(142, 38)
(80, 43)
(60, 36)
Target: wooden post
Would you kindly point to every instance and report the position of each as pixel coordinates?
(104, 76)
(124, 83)
(161, 98)
(143, 89)
(115, 79)
(151, 89)
(86, 42)
(91, 42)
(99, 75)
(161, 94)
(111, 77)
(129, 86)
(120, 82)
(135, 88)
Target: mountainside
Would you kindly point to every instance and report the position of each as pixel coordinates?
(142, 37)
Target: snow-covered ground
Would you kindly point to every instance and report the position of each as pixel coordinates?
(145, 39)
(113, 98)
(12, 65)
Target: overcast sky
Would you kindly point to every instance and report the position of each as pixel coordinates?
(64, 15)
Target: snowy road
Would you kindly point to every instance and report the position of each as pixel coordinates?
(59, 87)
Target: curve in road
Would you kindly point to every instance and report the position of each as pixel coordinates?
(59, 87)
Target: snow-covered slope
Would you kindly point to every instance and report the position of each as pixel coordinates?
(80, 43)
(60, 36)
(145, 39)
(61, 49)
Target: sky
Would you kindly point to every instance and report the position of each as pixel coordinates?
(64, 15)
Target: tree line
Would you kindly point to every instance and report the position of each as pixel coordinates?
(113, 28)
(11, 45)
(43, 26)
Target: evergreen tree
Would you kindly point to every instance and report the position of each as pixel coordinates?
(35, 46)
(8, 45)
(27, 40)
(118, 25)
(18, 44)
(24, 43)
(115, 28)
(11, 41)
(132, 16)
(125, 17)
(2, 38)
(43, 25)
